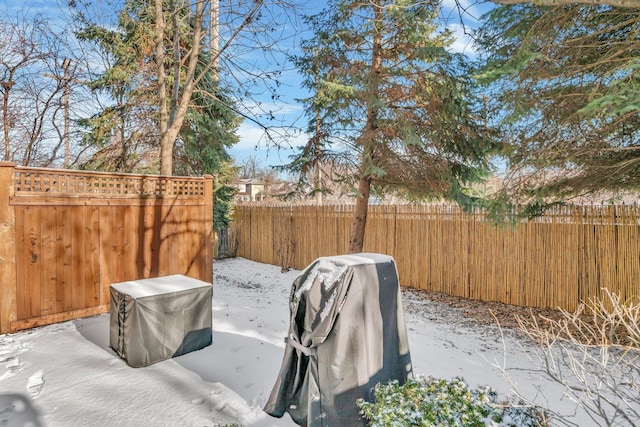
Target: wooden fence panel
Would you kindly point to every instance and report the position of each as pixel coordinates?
(69, 235)
(558, 260)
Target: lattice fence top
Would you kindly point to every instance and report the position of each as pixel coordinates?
(97, 184)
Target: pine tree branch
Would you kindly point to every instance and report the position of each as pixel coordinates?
(632, 4)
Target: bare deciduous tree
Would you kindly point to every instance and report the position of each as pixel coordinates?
(21, 46)
(189, 67)
(35, 90)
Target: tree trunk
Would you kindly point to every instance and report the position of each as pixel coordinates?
(368, 140)
(356, 240)
(166, 145)
(5, 117)
(171, 119)
(167, 142)
(172, 116)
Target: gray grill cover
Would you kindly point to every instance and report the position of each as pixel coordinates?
(156, 319)
(347, 333)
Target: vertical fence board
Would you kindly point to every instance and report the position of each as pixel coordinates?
(48, 268)
(32, 261)
(156, 240)
(163, 240)
(23, 307)
(189, 244)
(78, 253)
(91, 262)
(172, 240)
(63, 257)
(145, 235)
(206, 222)
(130, 241)
(107, 237)
(8, 290)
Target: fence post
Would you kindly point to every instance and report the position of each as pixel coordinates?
(208, 227)
(7, 248)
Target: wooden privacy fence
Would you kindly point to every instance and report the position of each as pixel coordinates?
(554, 261)
(68, 235)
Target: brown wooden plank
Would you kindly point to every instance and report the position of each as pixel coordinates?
(175, 247)
(8, 272)
(64, 288)
(166, 232)
(137, 237)
(149, 252)
(58, 317)
(92, 257)
(77, 219)
(203, 244)
(207, 242)
(32, 259)
(107, 275)
(48, 268)
(22, 296)
(130, 243)
(193, 243)
(23, 306)
(156, 241)
(117, 261)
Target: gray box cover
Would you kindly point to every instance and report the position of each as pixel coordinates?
(159, 318)
(347, 333)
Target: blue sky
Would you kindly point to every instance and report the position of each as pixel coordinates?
(287, 111)
(252, 139)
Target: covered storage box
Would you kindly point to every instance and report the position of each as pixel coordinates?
(156, 319)
(346, 334)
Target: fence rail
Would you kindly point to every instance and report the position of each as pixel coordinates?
(68, 235)
(557, 261)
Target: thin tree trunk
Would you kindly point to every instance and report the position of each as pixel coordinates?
(5, 117)
(368, 140)
(171, 121)
(358, 226)
(214, 34)
(166, 144)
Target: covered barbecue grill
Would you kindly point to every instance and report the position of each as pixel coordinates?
(347, 333)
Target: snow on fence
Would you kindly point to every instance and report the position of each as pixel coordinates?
(556, 261)
(68, 235)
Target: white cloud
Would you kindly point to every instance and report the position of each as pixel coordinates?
(463, 42)
(251, 137)
(469, 11)
(254, 142)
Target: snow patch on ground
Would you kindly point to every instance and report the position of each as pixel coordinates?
(67, 375)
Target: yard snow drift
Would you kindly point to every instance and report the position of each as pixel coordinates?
(67, 375)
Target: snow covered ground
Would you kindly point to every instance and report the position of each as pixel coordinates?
(67, 375)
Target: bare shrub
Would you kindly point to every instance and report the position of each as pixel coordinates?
(285, 245)
(593, 354)
(233, 240)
